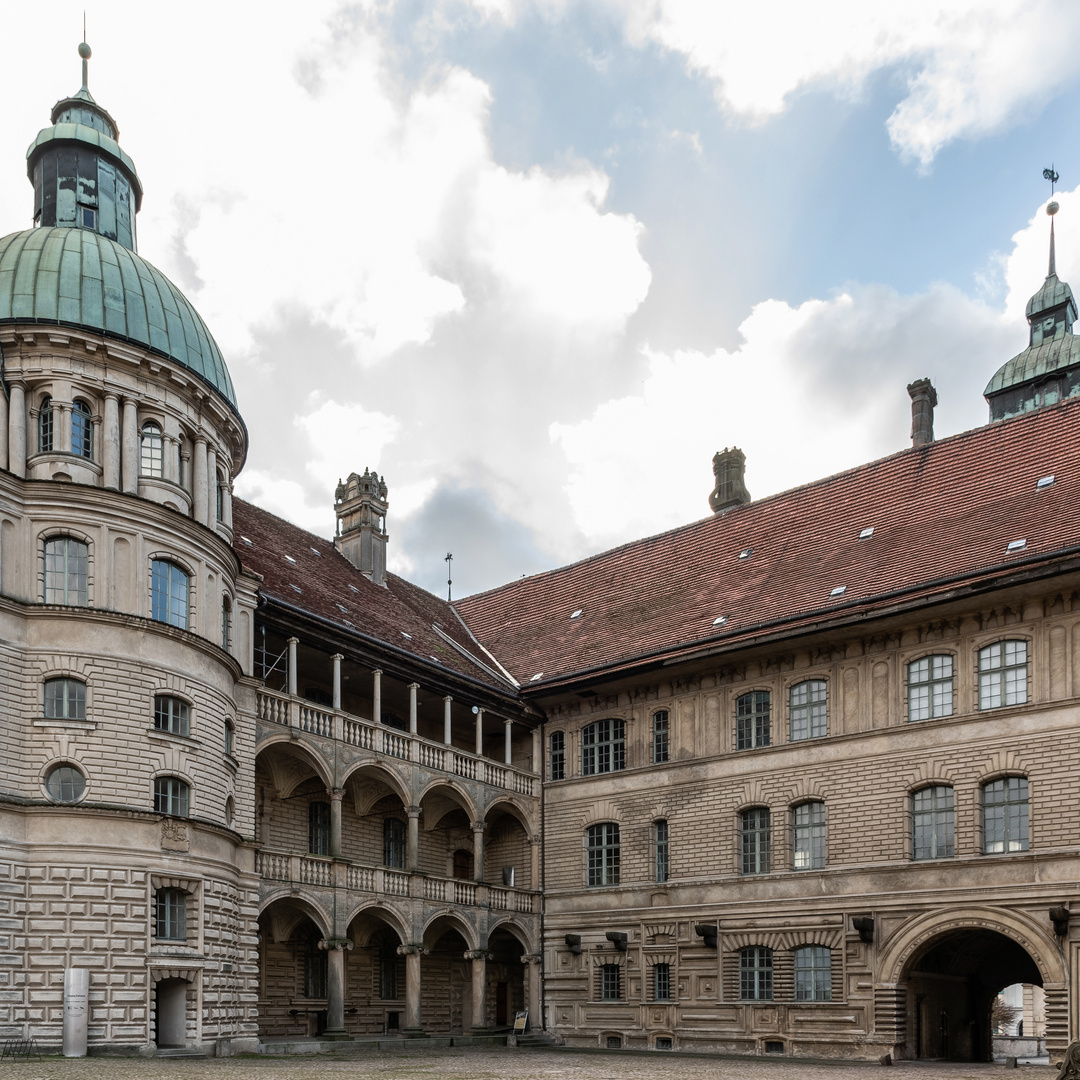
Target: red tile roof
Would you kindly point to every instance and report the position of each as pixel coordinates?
(323, 582)
(942, 512)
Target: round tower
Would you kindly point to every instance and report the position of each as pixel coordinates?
(125, 623)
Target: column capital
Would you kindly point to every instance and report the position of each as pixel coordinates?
(330, 944)
(337, 793)
(448, 697)
(338, 657)
(479, 954)
(376, 671)
(479, 826)
(293, 641)
(413, 811)
(530, 958)
(508, 721)
(414, 686)
(412, 949)
(200, 438)
(111, 394)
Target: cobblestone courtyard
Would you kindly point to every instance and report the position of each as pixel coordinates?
(494, 1064)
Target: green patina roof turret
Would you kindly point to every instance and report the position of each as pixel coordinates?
(1049, 368)
(78, 266)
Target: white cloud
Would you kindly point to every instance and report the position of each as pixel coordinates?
(345, 432)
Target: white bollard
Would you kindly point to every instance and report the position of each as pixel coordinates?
(76, 991)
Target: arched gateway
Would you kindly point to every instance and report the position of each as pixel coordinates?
(941, 974)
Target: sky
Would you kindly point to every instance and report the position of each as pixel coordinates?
(536, 261)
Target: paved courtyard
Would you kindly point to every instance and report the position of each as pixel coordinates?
(495, 1064)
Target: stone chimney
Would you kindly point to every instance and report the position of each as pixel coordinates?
(923, 400)
(729, 467)
(360, 504)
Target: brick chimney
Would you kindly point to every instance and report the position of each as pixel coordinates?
(729, 467)
(923, 400)
(360, 504)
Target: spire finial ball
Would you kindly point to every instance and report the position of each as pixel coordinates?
(1052, 208)
(84, 51)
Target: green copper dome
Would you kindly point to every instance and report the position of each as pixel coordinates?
(76, 277)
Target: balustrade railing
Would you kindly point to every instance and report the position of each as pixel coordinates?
(275, 708)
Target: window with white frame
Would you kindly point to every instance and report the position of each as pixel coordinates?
(809, 709)
(602, 848)
(753, 720)
(1003, 674)
(930, 687)
(172, 714)
(603, 747)
(808, 835)
(151, 450)
(65, 699)
(1005, 815)
(169, 593)
(65, 784)
(170, 915)
(660, 736)
(172, 796)
(558, 755)
(755, 828)
(813, 973)
(756, 973)
(932, 819)
(226, 623)
(67, 563)
(82, 431)
(660, 850)
(45, 426)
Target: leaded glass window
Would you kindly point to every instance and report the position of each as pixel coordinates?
(1003, 674)
(930, 688)
(813, 973)
(603, 747)
(756, 833)
(603, 854)
(933, 822)
(67, 562)
(169, 587)
(809, 710)
(808, 835)
(753, 720)
(1005, 815)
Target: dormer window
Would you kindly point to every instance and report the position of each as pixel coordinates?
(87, 217)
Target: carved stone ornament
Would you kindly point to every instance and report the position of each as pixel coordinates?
(174, 835)
(1070, 1067)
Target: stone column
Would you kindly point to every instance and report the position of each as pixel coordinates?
(335, 986)
(129, 448)
(62, 431)
(110, 442)
(534, 864)
(335, 823)
(479, 958)
(198, 482)
(227, 496)
(185, 465)
(412, 953)
(17, 430)
(413, 858)
(532, 988)
(478, 849)
(170, 451)
(413, 687)
(3, 430)
(211, 487)
(376, 696)
(479, 732)
(446, 728)
(337, 658)
(537, 753)
(293, 642)
(507, 751)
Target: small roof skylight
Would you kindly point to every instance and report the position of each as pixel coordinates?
(296, 588)
(746, 553)
(839, 590)
(538, 675)
(354, 588)
(343, 609)
(719, 620)
(865, 534)
(435, 658)
(409, 636)
(347, 623)
(315, 551)
(576, 614)
(1016, 545)
(247, 541)
(1044, 481)
(290, 559)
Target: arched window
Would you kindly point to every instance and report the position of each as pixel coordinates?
(753, 720)
(230, 737)
(151, 450)
(65, 699)
(1003, 674)
(930, 687)
(809, 710)
(660, 850)
(319, 828)
(603, 747)
(226, 623)
(393, 843)
(813, 973)
(66, 571)
(169, 593)
(603, 854)
(558, 755)
(170, 915)
(65, 784)
(660, 736)
(1005, 815)
(45, 426)
(220, 502)
(755, 829)
(808, 835)
(755, 973)
(932, 822)
(172, 796)
(171, 714)
(82, 431)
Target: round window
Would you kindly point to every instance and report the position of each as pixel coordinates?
(65, 784)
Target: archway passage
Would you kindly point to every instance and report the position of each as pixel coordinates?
(951, 985)
(506, 979)
(292, 973)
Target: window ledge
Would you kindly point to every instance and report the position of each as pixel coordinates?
(169, 736)
(59, 722)
(232, 763)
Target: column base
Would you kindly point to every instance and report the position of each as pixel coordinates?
(414, 1033)
(335, 1033)
(479, 1031)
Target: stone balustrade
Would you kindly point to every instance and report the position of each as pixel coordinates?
(295, 712)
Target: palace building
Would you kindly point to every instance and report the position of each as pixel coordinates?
(795, 779)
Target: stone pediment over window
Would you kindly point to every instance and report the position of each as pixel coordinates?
(599, 959)
(777, 940)
(660, 933)
(668, 958)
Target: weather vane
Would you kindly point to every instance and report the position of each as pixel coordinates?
(449, 560)
(1049, 174)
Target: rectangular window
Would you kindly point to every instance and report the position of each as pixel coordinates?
(171, 715)
(171, 915)
(809, 710)
(808, 827)
(753, 718)
(315, 972)
(1003, 674)
(388, 971)
(168, 594)
(65, 699)
(171, 796)
(66, 571)
(661, 834)
(930, 688)
(82, 431)
(603, 854)
(1005, 815)
(609, 983)
(660, 736)
(319, 828)
(755, 974)
(756, 840)
(603, 747)
(813, 973)
(662, 982)
(558, 755)
(932, 821)
(394, 843)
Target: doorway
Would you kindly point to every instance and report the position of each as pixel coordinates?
(170, 1000)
